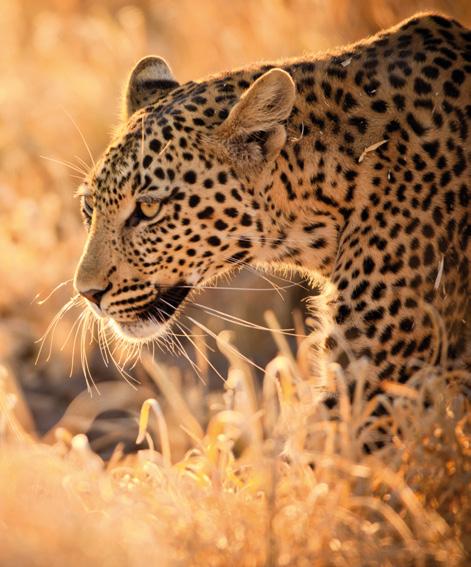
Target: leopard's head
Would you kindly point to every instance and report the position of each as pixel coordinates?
(178, 197)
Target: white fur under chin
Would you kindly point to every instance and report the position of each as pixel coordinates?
(142, 331)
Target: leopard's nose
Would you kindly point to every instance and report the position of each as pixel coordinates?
(95, 295)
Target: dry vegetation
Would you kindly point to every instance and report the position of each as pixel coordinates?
(249, 472)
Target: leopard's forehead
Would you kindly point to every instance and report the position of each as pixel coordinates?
(158, 155)
(113, 171)
(138, 160)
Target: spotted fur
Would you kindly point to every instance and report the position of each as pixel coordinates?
(352, 166)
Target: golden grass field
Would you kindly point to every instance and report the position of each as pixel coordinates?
(240, 469)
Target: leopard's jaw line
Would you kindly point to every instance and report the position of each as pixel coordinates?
(140, 331)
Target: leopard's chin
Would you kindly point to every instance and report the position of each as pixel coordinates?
(141, 331)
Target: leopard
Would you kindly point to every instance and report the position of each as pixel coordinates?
(350, 166)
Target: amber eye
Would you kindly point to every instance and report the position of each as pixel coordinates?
(149, 209)
(87, 205)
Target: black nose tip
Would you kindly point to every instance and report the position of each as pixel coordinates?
(95, 295)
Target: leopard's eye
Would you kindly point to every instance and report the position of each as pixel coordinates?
(145, 210)
(149, 209)
(87, 205)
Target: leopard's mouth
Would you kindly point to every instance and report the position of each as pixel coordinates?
(153, 320)
(164, 307)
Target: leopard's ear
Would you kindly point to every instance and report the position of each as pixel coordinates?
(254, 132)
(150, 80)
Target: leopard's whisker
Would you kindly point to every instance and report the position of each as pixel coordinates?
(230, 347)
(80, 322)
(206, 358)
(82, 162)
(79, 130)
(183, 327)
(136, 355)
(69, 334)
(186, 331)
(193, 363)
(100, 345)
(51, 293)
(250, 268)
(119, 343)
(243, 322)
(231, 288)
(50, 331)
(175, 344)
(88, 320)
(83, 323)
(256, 271)
(131, 351)
(76, 176)
(178, 344)
(68, 164)
(91, 330)
(101, 338)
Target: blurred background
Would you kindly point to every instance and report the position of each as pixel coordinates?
(63, 64)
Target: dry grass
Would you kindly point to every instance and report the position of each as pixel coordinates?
(270, 482)
(251, 475)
